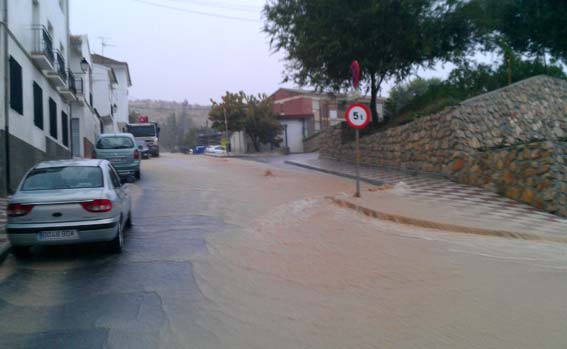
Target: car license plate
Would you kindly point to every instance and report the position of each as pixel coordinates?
(118, 159)
(55, 235)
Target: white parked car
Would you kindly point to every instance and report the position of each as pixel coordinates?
(216, 149)
(69, 202)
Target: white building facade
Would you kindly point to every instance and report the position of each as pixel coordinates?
(104, 81)
(293, 133)
(54, 97)
(36, 113)
(119, 89)
(85, 123)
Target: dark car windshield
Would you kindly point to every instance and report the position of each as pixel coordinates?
(142, 131)
(115, 143)
(69, 177)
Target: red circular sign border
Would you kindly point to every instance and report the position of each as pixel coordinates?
(366, 109)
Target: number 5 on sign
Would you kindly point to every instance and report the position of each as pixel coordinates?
(357, 116)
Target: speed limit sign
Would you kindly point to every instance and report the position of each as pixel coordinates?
(357, 115)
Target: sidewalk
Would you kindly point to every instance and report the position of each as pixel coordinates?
(439, 203)
(4, 245)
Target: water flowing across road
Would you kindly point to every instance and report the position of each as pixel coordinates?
(224, 254)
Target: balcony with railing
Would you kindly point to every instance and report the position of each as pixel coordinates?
(58, 77)
(79, 87)
(70, 91)
(42, 48)
(60, 66)
(72, 82)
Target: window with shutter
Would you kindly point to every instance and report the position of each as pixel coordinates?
(52, 118)
(16, 87)
(37, 105)
(65, 128)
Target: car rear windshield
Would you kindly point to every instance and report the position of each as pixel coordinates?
(69, 177)
(115, 143)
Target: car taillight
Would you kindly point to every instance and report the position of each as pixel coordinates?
(93, 154)
(97, 206)
(18, 210)
(136, 154)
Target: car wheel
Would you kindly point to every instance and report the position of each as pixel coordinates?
(118, 242)
(21, 251)
(129, 220)
(138, 175)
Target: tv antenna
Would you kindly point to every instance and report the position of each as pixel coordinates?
(104, 42)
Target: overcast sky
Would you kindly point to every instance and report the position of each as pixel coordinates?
(175, 54)
(186, 49)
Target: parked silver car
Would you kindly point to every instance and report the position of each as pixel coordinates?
(69, 202)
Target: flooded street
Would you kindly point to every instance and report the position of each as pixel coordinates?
(226, 253)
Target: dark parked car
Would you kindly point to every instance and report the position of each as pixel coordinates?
(184, 149)
(199, 149)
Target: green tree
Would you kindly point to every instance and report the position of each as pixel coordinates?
(191, 138)
(466, 80)
(133, 117)
(168, 134)
(533, 27)
(261, 124)
(183, 122)
(249, 113)
(401, 95)
(233, 106)
(389, 38)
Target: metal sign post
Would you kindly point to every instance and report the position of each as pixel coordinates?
(357, 116)
(357, 194)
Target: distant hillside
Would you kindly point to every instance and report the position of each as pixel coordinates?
(159, 110)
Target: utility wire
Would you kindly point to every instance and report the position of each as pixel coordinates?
(222, 5)
(242, 19)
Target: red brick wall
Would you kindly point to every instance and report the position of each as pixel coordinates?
(282, 94)
(300, 106)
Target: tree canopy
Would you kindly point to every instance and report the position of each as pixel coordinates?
(389, 38)
(533, 27)
(261, 124)
(234, 106)
(249, 113)
(420, 97)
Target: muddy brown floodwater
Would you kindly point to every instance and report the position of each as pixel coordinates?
(296, 271)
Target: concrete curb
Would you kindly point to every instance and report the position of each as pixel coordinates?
(336, 173)
(443, 226)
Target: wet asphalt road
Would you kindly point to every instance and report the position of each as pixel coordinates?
(226, 253)
(84, 297)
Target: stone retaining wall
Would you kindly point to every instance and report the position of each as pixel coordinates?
(534, 173)
(508, 141)
(311, 143)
